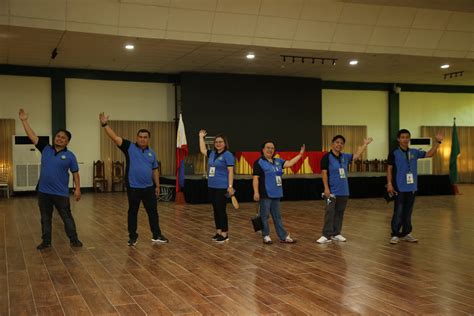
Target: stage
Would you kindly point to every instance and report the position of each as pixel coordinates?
(310, 187)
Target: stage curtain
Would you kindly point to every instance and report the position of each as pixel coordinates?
(163, 142)
(354, 135)
(465, 159)
(7, 130)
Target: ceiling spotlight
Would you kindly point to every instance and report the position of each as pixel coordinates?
(353, 62)
(250, 56)
(129, 46)
(284, 58)
(334, 62)
(445, 66)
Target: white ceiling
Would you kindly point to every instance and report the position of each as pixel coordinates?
(33, 47)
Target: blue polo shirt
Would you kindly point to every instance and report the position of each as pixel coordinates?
(405, 162)
(218, 174)
(339, 186)
(140, 165)
(268, 172)
(55, 166)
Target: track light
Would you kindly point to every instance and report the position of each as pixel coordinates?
(54, 53)
(309, 58)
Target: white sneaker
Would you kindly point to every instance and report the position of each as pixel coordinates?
(409, 238)
(338, 238)
(267, 240)
(323, 240)
(288, 240)
(394, 240)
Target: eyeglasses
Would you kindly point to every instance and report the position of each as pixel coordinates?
(219, 142)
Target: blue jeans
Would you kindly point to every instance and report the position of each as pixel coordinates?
(402, 211)
(272, 206)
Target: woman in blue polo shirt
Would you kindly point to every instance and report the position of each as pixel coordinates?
(268, 189)
(334, 169)
(220, 179)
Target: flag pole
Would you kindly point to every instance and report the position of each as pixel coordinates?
(455, 151)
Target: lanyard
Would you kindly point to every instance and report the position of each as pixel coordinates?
(216, 155)
(407, 157)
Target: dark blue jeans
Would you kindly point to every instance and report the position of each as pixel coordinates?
(272, 207)
(402, 211)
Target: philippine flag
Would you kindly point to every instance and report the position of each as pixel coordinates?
(181, 152)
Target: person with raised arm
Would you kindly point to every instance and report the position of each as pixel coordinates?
(142, 179)
(268, 189)
(335, 170)
(53, 184)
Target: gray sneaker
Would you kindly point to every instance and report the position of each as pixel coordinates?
(394, 240)
(409, 238)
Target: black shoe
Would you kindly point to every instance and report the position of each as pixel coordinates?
(215, 237)
(43, 245)
(160, 238)
(132, 242)
(76, 243)
(222, 239)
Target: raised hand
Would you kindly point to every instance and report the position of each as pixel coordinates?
(202, 133)
(303, 148)
(368, 140)
(439, 136)
(104, 119)
(22, 115)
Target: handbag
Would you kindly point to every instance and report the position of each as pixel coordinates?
(257, 221)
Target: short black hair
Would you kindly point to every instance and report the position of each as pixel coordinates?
(143, 130)
(338, 137)
(65, 131)
(268, 142)
(403, 131)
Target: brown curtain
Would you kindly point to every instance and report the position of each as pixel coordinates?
(353, 134)
(163, 142)
(466, 144)
(7, 130)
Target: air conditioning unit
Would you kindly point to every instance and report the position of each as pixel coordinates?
(425, 165)
(26, 163)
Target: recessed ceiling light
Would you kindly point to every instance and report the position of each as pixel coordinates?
(250, 56)
(446, 66)
(353, 62)
(129, 46)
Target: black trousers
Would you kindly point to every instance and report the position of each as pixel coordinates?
(219, 203)
(46, 203)
(149, 199)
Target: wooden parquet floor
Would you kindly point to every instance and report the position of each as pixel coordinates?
(194, 276)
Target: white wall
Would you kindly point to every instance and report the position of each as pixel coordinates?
(31, 93)
(421, 109)
(370, 108)
(133, 101)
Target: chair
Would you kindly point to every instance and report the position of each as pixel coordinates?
(4, 186)
(99, 180)
(118, 175)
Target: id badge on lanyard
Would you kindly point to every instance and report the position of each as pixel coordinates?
(212, 171)
(410, 178)
(342, 173)
(278, 181)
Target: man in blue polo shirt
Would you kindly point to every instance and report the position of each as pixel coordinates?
(53, 185)
(334, 171)
(142, 179)
(402, 182)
